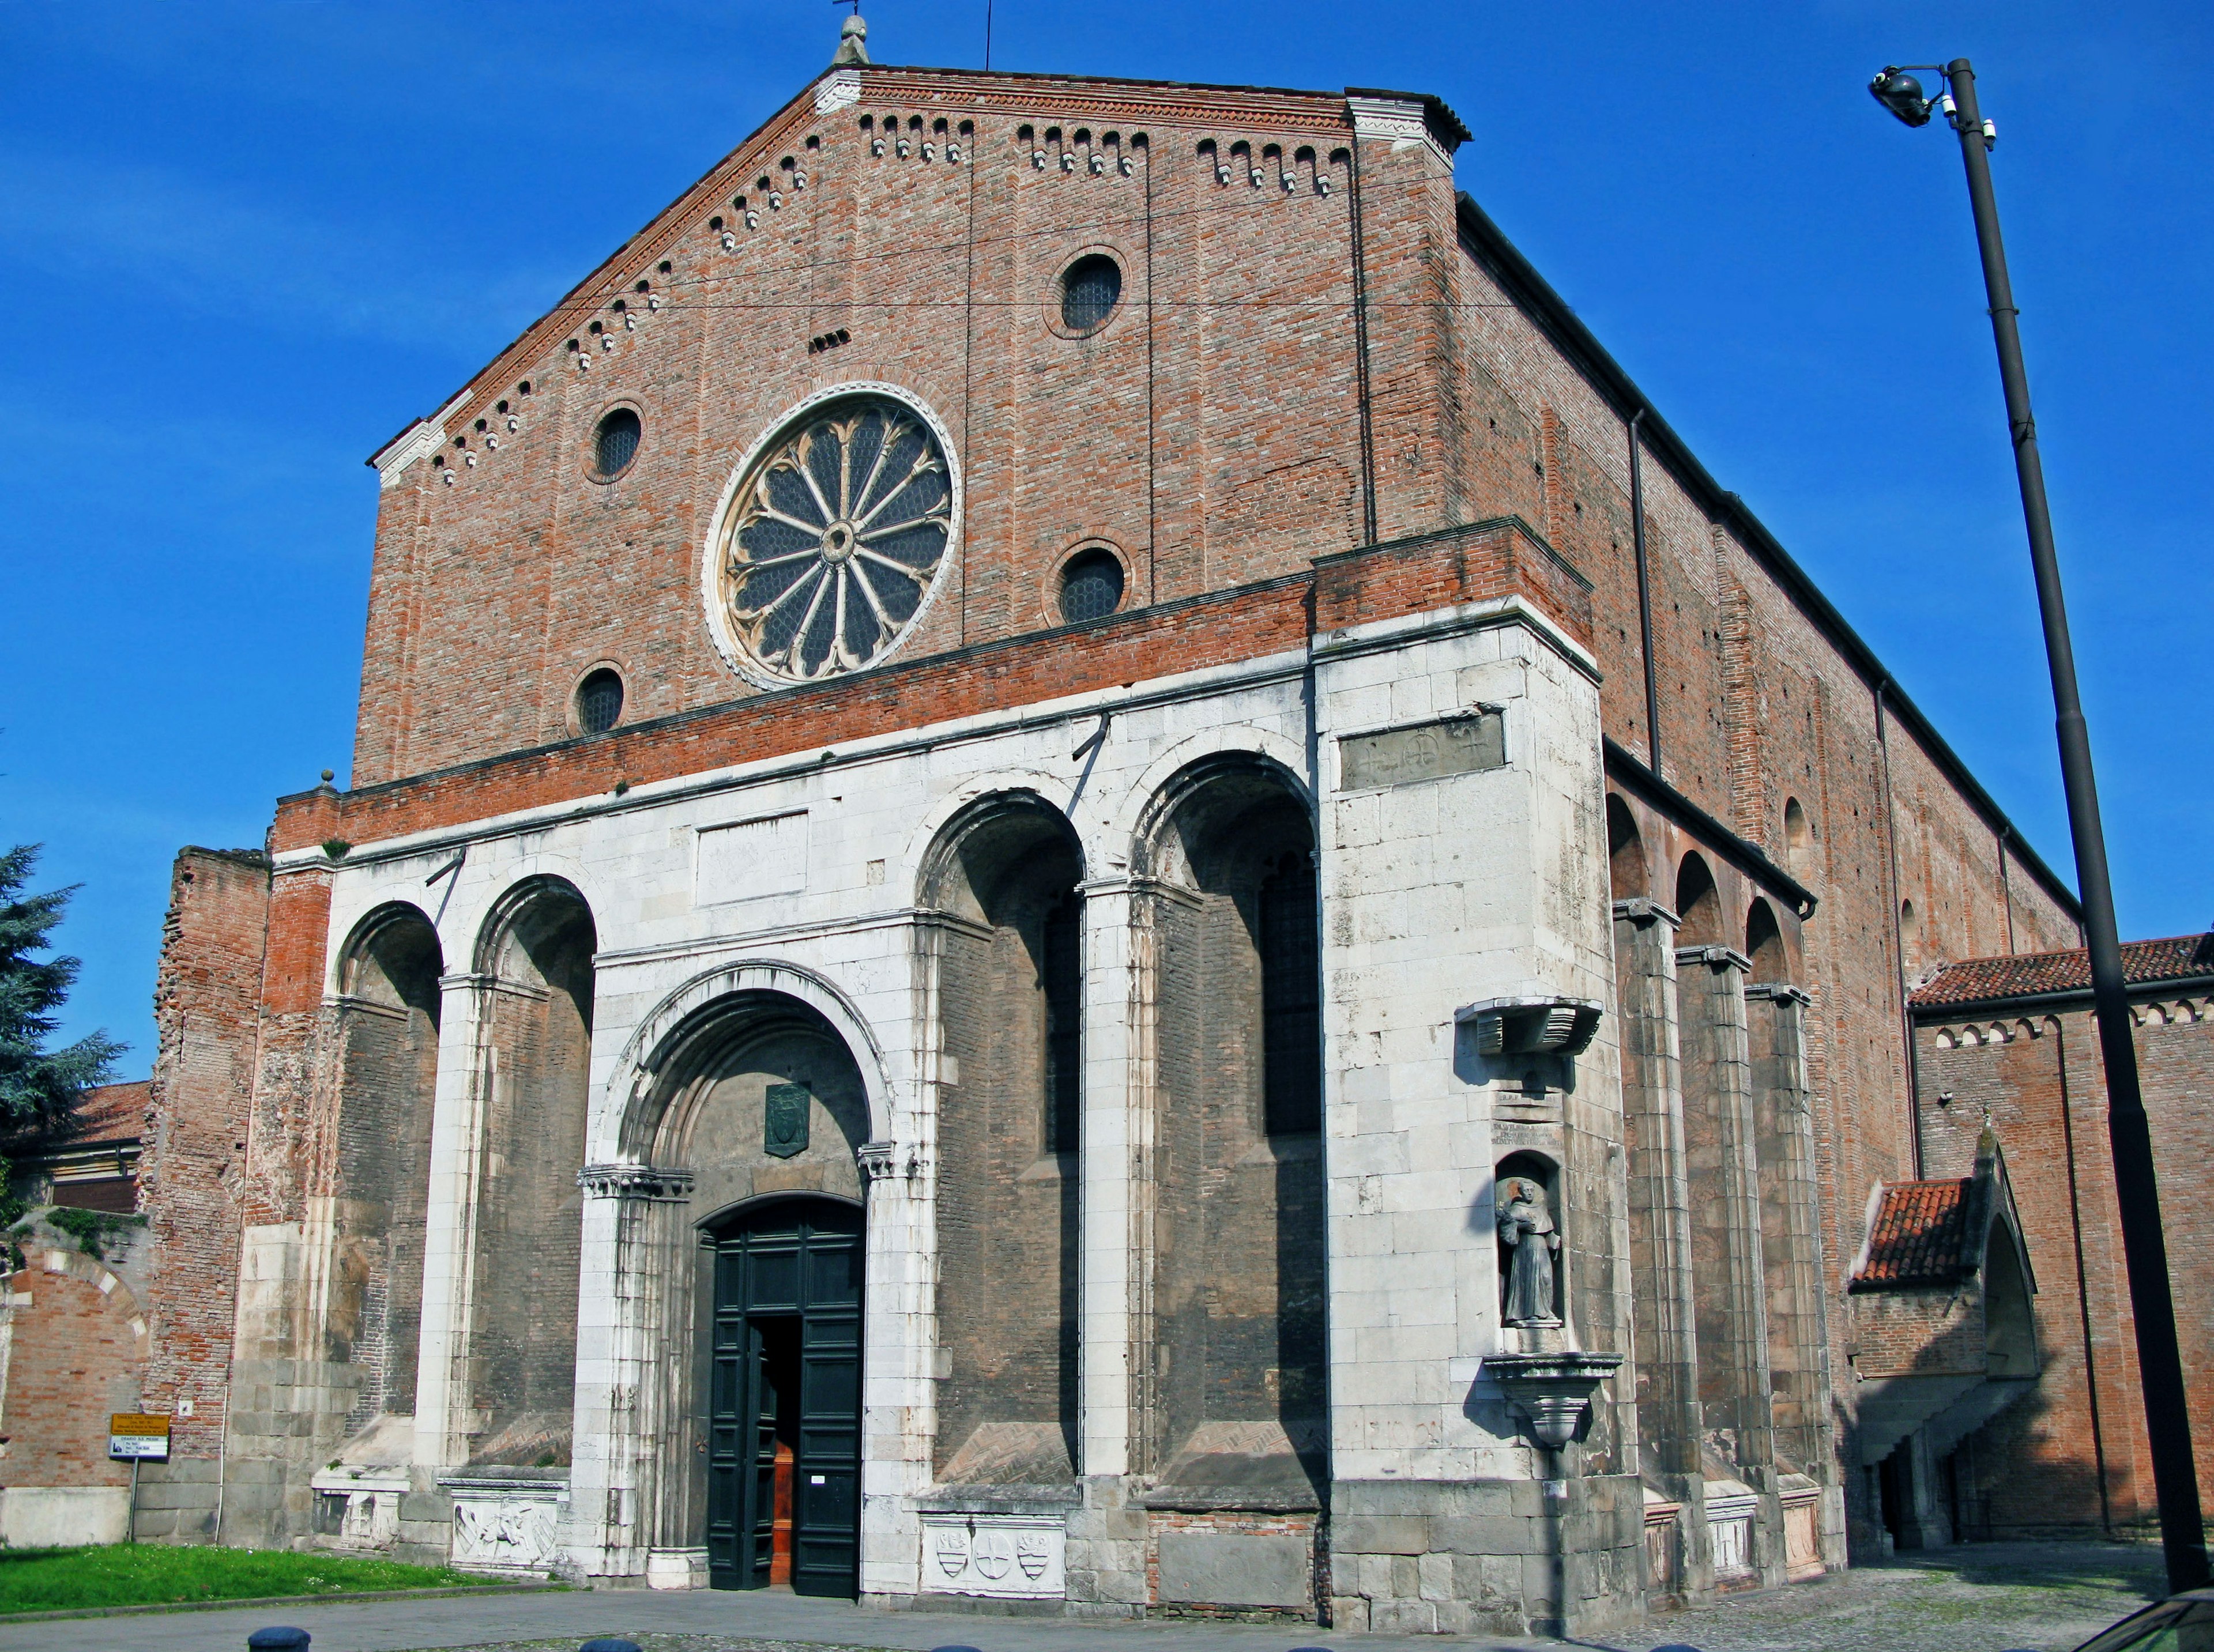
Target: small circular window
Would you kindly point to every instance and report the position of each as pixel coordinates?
(1089, 290)
(599, 701)
(614, 444)
(1091, 585)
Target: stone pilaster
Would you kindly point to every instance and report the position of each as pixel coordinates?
(466, 1070)
(1724, 1176)
(1665, 1338)
(1791, 1247)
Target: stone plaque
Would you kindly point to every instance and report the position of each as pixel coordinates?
(1232, 1569)
(784, 1125)
(1423, 751)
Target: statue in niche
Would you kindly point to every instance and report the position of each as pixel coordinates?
(1527, 1231)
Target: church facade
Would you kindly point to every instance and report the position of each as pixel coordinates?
(1081, 876)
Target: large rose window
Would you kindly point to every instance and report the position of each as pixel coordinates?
(832, 539)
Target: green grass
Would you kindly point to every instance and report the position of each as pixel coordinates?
(145, 1574)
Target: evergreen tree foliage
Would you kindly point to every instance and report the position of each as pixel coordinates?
(39, 1088)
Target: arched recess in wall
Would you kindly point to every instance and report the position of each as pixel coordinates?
(1007, 926)
(1698, 903)
(1625, 852)
(535, 1028)
(1237, 1228)
(1798, 839)
(1910, 938)
(1764, 944)
(388, 1014)
(762, 1101)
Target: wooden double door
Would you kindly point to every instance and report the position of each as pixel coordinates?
(784, 1422)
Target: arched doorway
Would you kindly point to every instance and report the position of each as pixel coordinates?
(784, 1397)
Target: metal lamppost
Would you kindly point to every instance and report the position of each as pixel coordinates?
(2168, 1419)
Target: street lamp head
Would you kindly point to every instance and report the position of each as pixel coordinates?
(1901, 93)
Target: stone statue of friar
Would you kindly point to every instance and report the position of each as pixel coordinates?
(1527, 1228)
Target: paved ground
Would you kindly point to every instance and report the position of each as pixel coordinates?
(1985, 1598)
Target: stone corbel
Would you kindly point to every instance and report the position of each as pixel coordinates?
(652, 1183)
(1642, 910)
(1714, 957)
(1532, 1024)
(1553, 1390)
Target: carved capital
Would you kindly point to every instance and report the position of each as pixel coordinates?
(1532, 1024)
(881, 1159)
(1714, 957)
(1642, 910)
(1780, 993)
(635, 1181)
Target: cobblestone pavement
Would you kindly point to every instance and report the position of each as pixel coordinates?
(1981, 1598)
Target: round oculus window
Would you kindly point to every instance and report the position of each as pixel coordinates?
(1091, 585)
(1090, 288)
(614, 443)
(833, 537)
(599, 701)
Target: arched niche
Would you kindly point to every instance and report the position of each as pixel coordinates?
(1625, 852)
(535, 960)
(1798, 839)
(1698, 903)
(387, 1027)
(1910, 937)
(1514, 1208)
(1001, 879)
(1239, 1218)
(1765, 944)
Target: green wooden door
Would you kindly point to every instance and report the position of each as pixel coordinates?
(785, 1357)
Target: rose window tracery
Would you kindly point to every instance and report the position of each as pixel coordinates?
(833, 537)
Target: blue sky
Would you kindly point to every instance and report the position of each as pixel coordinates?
(242, 245)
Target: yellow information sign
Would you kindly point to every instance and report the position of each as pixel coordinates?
(137, 1437)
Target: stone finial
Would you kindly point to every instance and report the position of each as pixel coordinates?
(852, 42)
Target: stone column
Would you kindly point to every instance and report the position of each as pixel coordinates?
(1107, 1538)
(467, 1068)
(1664, 1308)
(1728, 1277)
(633, 1496)
(1791, 1247)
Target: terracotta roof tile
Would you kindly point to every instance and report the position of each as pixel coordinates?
(1975, 980)
(1918, 1235)
(113, 1113)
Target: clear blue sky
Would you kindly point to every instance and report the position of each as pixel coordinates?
(242, 245)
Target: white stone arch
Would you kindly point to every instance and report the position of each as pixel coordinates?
(1121, 834)
(480, 903)
(645, 1056)
(924, 840)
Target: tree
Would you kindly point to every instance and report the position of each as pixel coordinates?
(39, 1088)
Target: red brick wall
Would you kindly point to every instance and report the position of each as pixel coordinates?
(74, 1357)
(2037, 1466)
(206, 1002)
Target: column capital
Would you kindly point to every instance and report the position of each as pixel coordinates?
(654, 1184)
(1642, 910)
(1781, 992)
(878, 1160)
(1716, 957)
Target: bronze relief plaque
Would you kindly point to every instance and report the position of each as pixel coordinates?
(784, 1124)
